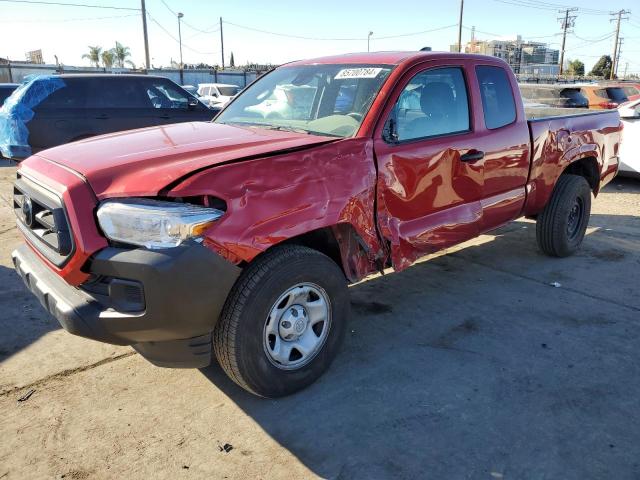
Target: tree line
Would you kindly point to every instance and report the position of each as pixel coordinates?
(114, 57)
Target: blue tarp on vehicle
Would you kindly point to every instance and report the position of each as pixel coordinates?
(17, 111)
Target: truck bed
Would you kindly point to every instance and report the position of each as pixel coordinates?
(558, 140)
(540, 113)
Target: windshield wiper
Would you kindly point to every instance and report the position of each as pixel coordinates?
(284, 128)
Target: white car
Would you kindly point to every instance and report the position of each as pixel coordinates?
(217, 94)
(629, 151)
(286, 101)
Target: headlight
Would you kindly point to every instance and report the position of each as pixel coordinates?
(153, 223)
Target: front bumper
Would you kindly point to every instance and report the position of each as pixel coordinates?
(167, 315)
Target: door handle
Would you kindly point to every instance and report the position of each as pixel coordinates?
(165, 116)
(472, 156)
(102, 116)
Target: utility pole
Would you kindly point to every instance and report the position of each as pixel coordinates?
(369, 40)
(180, 15)
(620, 41)
(473, 39)
(568, 21)
(460, 27)
(221, 43)
(146, 37)
(614, 60)
(626, 65)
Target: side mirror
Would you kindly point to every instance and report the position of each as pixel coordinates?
(390, 131)
(192, 102)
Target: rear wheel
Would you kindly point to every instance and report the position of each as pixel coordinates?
(561, 226)
(283, 322)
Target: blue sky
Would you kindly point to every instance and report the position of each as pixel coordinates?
(336, 26)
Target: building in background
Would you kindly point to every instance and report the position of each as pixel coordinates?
(523, 57)
(35, 56)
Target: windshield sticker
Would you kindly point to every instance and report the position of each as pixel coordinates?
(358, 73)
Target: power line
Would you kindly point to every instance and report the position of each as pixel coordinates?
(493, 34)
(300, 37)
(34, 2)
(73, 19)
(175, 39)
(175, 14)
(585, 44)
(337, 39)
(593, 40)
(551, 6)
(414, 33)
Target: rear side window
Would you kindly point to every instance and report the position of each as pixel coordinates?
(616, 94)
(164, 94)
(228, 91)
(433, 103)
(72, 95)
(571, 93)
(497, 96)
(121, 93)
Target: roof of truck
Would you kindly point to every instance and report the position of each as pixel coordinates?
(384, 58)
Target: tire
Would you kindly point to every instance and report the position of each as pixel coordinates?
(245, 341)
(561, 226)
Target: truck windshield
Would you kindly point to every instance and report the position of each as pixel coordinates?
(317, 99)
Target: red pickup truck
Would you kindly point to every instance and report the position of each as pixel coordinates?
(238, 237)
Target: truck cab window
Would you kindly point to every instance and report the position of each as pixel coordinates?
(434, 103)
(497, 97)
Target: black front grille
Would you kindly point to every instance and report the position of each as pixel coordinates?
(42, 219)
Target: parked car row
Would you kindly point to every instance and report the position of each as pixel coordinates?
(594, 96)
(543, 100)
(629, 151)
(52, 110)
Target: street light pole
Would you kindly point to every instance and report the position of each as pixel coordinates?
(460, 27)
(369, 40)
(180, 15)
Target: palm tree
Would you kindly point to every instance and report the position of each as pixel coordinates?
(108, 58)
(93, 55)
(121, 53)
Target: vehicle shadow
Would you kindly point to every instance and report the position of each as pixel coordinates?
(5, 162)
(22, 319)
(624, 184)
(467, 368)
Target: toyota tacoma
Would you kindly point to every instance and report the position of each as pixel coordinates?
(237, 238)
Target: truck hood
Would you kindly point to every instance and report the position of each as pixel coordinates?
(142, 162)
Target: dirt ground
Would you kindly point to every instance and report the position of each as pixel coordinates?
(468, 365)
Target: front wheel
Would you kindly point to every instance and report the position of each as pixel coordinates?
(561, 226)
(283, 322)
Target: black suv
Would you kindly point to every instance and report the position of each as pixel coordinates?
(65, 108)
